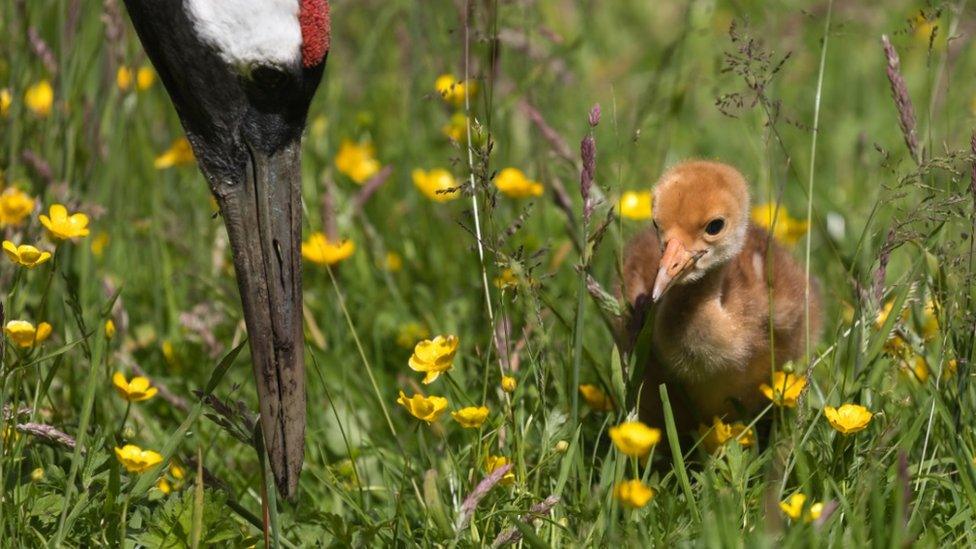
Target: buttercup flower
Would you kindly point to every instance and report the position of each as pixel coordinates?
(39, 98)
(318, 249)
(951, 368)
(508, 384)
(357, 160)
(109, 329)
(5, 100)
(145, 77)
(164, 486)
(454, 91)
(393, 262)
(25, 335)
(636, 205)
(885, 311)
(137, 460)
(471, 417)
(179, 153)
(930, 321)
(62, 226)
(634, 439)
(424, 408)
(633, 493)
(595, 398)
(15, 206)
(136, 390)
(456, 128)
(849, 418)
(513, 182)
(506, 280)
(793, 508)
(787, 230)
(123, 78)
(25, 254)
(99, 243)
(916, 367)
(433, 356)
(716, 435)
(410, 333)
(785, 389)
(437, 184)
(495, 462)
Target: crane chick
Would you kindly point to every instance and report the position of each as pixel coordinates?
(726, 302)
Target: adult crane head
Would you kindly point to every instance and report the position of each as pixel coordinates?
(241, 74)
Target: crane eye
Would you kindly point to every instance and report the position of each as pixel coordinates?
(268, 77)
(715, 226)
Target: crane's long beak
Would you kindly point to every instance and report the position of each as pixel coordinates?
(676, 260)
(263, 219)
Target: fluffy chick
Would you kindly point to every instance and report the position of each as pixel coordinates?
(724, 299)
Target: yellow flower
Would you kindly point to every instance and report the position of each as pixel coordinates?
(512, 182)
(25, 254)
(410, 333)
(930, 321)
(37, 474)
(454, 91)
(109, 329)
(745, 436)
(318, 249)
(633, 493)
(98, 243)
(437, 184)
(424, 408)
(849, 418)
(137, 460)
(136, 390)
(496, 462)
(916, 367)
(716, 435)
(39, 98)
(508, 384)
(787, 230)
(595, 397)
(63, 226)
(634, 439)
(471, 417)
(123, 78)
(179, 153)
(164, 486)
(23, 333)
(15, 205)
(785, 389)
(793, 508)
(393, 262)
(176, 470)
(5, 100)
(951, 368)
(885, 311)
(506, 280)
(636, 205)
(145, 77)
(357, 160)
(433, 356)
(456, 128)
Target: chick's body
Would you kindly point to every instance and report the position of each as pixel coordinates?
(725, 300)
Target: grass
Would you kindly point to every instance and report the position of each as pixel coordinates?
(810, 120)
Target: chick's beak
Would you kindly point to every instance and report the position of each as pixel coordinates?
(676, 260)
(263, 218)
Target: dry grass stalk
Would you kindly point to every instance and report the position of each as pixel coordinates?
(903, 102)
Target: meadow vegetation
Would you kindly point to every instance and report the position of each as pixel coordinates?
(465, 387)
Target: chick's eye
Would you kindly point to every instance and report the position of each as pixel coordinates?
(715, 226)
